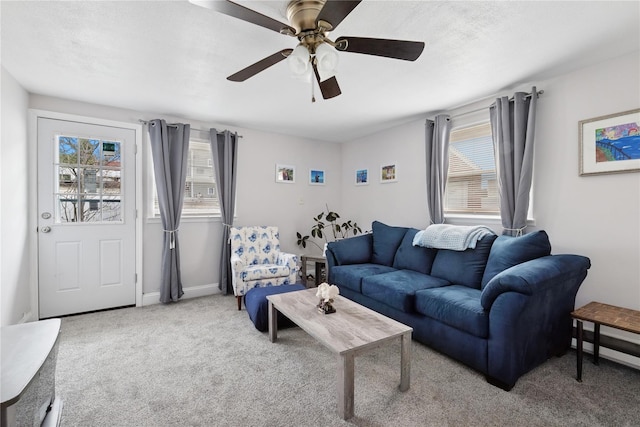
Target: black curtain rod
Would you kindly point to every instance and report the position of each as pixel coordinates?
(528, 95)
(145, 122)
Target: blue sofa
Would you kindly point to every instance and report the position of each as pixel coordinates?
(502, 308)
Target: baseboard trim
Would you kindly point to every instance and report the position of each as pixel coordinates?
(151, 298)
(26, 317)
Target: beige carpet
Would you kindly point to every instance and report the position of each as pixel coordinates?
(200, 362)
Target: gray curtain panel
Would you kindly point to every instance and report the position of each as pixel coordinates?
(169, 150)
(513, 128)
(224, 148)
(437, 150)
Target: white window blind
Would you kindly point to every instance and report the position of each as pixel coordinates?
(472, 185)
(200, 195)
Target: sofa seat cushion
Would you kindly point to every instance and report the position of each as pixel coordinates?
(350, 276)
(463, 267)
(414, 258)
(398, 288)
(457, 306)
(264, 271)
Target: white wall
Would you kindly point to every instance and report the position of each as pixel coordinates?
(596, 216)
(14, 209)
(289, 206)
(260, 199)
(398, 203)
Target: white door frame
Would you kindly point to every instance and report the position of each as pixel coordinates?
(32, 155)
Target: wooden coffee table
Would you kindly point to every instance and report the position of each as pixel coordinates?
(350, 331)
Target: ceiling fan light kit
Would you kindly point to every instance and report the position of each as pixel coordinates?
(299, 62)
(327, 61)
(310, 21)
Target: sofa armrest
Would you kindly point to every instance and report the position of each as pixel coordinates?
(354, 250)
(537, 276)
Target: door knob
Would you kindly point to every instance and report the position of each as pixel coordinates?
(46, 229)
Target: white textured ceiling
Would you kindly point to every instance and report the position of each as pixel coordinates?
(173, 57)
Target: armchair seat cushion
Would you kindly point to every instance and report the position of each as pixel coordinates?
(264, 271)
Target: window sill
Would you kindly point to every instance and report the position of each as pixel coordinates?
(188, 219)
(489, 220)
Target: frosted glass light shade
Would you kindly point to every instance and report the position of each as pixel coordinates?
(299, 61)
(326, 61)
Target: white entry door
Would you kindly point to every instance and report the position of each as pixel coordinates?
(86, 217)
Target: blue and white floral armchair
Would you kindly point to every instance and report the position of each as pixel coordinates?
(256, 260)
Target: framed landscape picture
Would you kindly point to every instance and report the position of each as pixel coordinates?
(316, 177)
(362, 176)
(389, 173)
(285, 174)
(610, 144)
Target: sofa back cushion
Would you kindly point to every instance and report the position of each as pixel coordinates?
(416, 258)
(463, 267)
(386, 240)
(353, 250)
(508, 251)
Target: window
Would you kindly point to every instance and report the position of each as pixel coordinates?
(200, 198)
(88, 187)
(472, 185)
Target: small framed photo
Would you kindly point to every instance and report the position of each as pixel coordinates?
(610, 144)
(362, 176)
(285, 174)
(389, 173)
(316, 177)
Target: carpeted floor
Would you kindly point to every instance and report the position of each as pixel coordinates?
(200, 362)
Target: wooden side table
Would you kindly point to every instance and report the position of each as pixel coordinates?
(602, 314)
(320, 268)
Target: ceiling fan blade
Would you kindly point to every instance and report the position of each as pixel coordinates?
(237, 11)
(334, 11)
(329, 87)
(259, 66)
(398, 49)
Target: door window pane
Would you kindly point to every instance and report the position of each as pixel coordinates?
(111, 208)
(89, 180)
(89, 183)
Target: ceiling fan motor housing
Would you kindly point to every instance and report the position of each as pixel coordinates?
(302, 14)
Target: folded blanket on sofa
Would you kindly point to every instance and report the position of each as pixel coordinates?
(453, 237)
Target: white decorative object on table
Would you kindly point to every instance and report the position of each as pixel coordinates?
(327, 293)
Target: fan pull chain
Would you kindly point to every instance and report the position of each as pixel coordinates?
(313, 96)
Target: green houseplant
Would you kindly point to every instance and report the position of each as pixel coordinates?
(327, 226)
